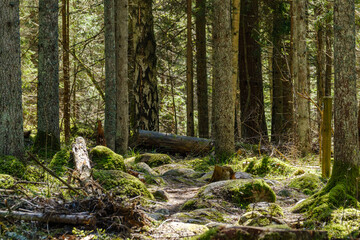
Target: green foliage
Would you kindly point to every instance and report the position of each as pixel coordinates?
(105, 158)
(153, 159)
(12, 166)
(307, 183)
(208, 235)
(267, 165)
(61, 162)
(6, 181)
(204, 164)
(121, 183)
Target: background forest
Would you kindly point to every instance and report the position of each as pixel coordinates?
(247, 86)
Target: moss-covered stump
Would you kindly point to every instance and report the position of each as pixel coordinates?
(200, 216)
(267, 165)
(104, 158)
(61, 162)
(6, 181)
(307, 183)
(241, 191)
(121, 184)
(153, 159)
(12, 166)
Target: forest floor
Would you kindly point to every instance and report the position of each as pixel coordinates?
(188, 205)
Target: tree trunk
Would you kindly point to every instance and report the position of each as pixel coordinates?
(329, 53)
(11, 118)
(302, 82)
(189, 73)
(224, 87)
(251, 85)
(122, 99)
(201, 71)
(66, 67)
(145, 84)
(235, 24)
(48, 133)
(110, 74)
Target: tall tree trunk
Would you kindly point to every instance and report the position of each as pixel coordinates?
(329, 52)
(189, 73)
(11, 115)
(122, 97)
(48, 133)
(224, 87)
(110, 74)
(145, 83)
(201, 71)
(66, 67)
(302, 85)
(235, 25)
(251, 84)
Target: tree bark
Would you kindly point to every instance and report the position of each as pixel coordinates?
(201, 70)
(224, 87)
(253, 126)
(48, 133)
(110, 74)
(189, 73)
(122, 99)
(145, 84)
(11, 115)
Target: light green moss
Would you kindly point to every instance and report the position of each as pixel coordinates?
(307, 183)
(153, 159)
(104, 158)
(12, 166)
(202, 164)
(193, 204)
(6, 181)
(267, 165)
(61, 162)
(208, 235)
(121, 183)
(344, 223)
(271, 209)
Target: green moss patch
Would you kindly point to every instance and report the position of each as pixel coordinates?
(241, 191)
(200, 216)
(153, 159)
(267, 165)
(121, 183)
(205, 164)
(307, 183)
(6, 181)
(61, 162)
(344, 224)
(12, 166)
(104, 158)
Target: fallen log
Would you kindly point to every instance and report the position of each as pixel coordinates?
(74, 219)
(165, 142)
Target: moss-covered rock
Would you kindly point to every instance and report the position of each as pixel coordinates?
(104, 158)
(200, 216)
(12, 166)
(6, 181)
(266, 208)
(307, 183)
(267, 165)
(121, 183)
(61, 162)
(153, 159)
(202, 164)
(241, 191)
(164, 168)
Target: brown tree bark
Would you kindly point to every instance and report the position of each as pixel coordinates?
(189, 73)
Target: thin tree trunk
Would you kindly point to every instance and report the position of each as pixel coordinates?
(110, 74)
(329, 54)
(66, 67)
(201, 70)
(189, 74)
(122, 100)
(11, 115)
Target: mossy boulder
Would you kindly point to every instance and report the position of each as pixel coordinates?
(267, 165)
(12, 166)
(164, 168)
(6, 181)
(104, 158)
(121, 183)
(153, 159)
(61, 162)
(241, 191)
(307, 183)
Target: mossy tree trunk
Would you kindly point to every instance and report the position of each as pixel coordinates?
(190, 131)
(11, 115)
(48, 132)
(110, 74)
(145, 84)
(122, 97)
(342, 188)
(251, 83)
(201, 71)
(224, 87)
